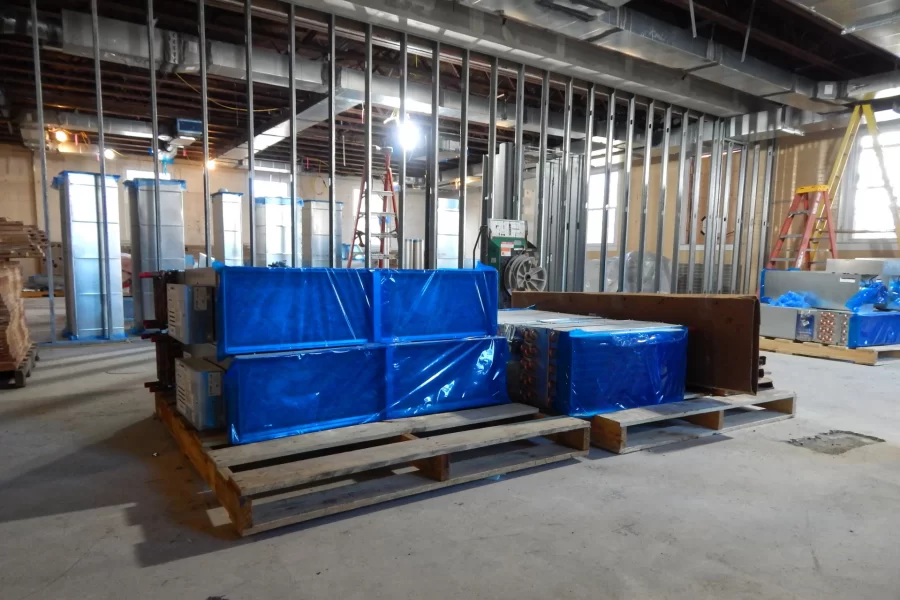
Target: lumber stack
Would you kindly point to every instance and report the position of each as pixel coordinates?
(14, 338)
(18, 240)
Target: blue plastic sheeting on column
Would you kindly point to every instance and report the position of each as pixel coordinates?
(874, 329)
(605, 371)
(432, 305)
(277, 395)
(263, 309)
(431, 377)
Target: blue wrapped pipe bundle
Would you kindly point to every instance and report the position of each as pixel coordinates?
(412, 305)
(276, 395)
(582, 366)
(432, 377)
(262, 309)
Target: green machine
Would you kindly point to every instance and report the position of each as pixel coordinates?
(515, 259)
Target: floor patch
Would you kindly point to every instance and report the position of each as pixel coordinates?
(835, 441)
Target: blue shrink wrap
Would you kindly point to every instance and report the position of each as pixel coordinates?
(600, 371)
(412, 305)
(260, 309)
(873, 329)
(276, 395)
(431, 377)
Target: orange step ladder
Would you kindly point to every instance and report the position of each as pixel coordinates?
(387, 218)
(814, 204)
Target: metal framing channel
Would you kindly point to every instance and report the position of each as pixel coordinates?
(626, 198)
(487, 203)
(204, 112)
(542, 211)
(463, 156)
(645, 193)
(154, 118)
(564, 188)
(401, 201)
(767, 197)
(739, 222)
(367, 168)
(607, 185)
(723, 221)
(520, 144)
(39, 97)
(251, 160)
(662, 198)
(332, 147)
(712, 205)
(105, 283)
(679, 202)
(292, 90)
(697, 174)
(754, 188)
(578, 261)
(431, 203)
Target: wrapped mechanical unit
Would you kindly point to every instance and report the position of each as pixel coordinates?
(261, 309)
(874, 329)
(440, 376)
(276, 395)
(605, 368)
(413, 305)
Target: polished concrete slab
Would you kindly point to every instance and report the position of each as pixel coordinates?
(96, 502)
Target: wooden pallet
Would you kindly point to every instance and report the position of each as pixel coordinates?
(294, 479)
(872, 356)
(22, 371)
(640, 428)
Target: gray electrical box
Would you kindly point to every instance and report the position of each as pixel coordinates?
(190, 313)
(198, 390)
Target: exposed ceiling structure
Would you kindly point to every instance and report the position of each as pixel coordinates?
(793, 57)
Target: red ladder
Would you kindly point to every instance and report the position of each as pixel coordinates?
(387, 217)
(814, 204)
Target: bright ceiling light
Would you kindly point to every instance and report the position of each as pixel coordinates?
(408, 134)
(109, 153)
(211, 164)
(61, 136)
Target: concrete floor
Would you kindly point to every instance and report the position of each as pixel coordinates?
(96, 502)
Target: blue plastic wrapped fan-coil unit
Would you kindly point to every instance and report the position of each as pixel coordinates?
(434, 305)
(276, 395)
(873, 329)
(261, 309)
(601, 371)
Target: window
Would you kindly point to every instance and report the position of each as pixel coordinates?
(132, 174)
(447, 233)
(270, 189)
(595, 209)
(869, 206)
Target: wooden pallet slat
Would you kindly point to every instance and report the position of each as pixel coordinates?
(640, 428)
(291, 474)
(327, 472)
(872, 356)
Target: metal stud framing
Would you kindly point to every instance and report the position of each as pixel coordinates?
(565, 187)
(154, 118)
(367, 176)
(663, 199)
(625, 212)
(434, 174)
(679, 203)
(739, 222)
(463, 159)
(519, 178)
(607, 185)
(292, 90)
(204, 111)
(39, 97)
(251, 161)
(105, 284)
(332, 147)
(542, 212)
(645, 193)
(722, 228)
(695, 206)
